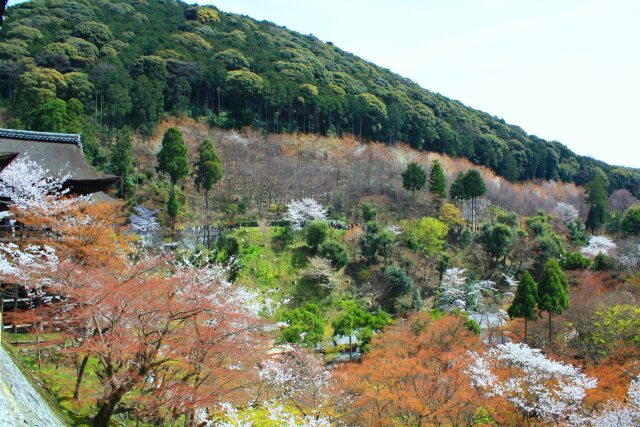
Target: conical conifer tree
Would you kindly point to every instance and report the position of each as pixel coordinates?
(172, 159)
(414, 178)
(437, 184)
(208, 171)
(525, 300)
(553, 290)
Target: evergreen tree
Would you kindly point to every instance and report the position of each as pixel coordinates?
(631, 220)
(172, 159)
(474, 187)
(315, 234)
(437, 184)
(173, 208)
(50, 117)
(306, 325)
(414, 178)
(597, 199)
(336, 252)
(553, 291)
(497, 240)
(525, 300)
(369, 212)
(208, 171)
(121, 160)
(457, 190)
(353, 318)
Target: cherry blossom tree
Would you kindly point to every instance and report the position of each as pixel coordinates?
(534, 384)
(16, 261)
(629, 256)
(565, 212)
(598, 244)
(616, 414)
(301, 211)
(456, 291)
(32, 188)
(301, 379)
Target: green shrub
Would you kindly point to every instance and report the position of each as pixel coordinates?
(336, 252)
(575, 261)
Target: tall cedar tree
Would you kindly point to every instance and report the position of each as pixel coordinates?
(208, 172)
(172, 159)
(474, 187)
(414, 178)
(121, 161)
(597, 199)
(456, 191)
(525, 300)
(553, 291)
(437, 184)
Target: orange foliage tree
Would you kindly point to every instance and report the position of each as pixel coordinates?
(414, 375)
(180, 337)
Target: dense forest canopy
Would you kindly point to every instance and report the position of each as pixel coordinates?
(128, 63)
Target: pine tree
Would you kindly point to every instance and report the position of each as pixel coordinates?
(437, 184)
(208, 171)
(553, 291)
(414, 178)
(172, 159)
(525, 300)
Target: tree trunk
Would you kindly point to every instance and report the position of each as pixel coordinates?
(107, 409)
(38, 346)
(15, 308)
(83, 365)
(206, 210)
(173, 220)
(525, 330)
(550, 335)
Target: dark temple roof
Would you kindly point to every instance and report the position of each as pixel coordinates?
(60, 154)
(6, 158)
(28, 135)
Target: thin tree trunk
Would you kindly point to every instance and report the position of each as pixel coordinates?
(15, 307)
(525, 330)
(83, 365)
(550, 335)
(38, 346)
(206, 210)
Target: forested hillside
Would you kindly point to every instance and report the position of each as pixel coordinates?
(96, 66)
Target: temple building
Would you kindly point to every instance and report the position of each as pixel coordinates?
(59, 153)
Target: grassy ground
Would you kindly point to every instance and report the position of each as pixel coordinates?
(56, 381)
(34, 379)
(269, 266)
